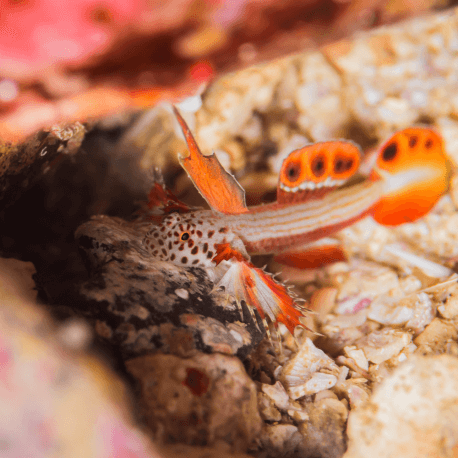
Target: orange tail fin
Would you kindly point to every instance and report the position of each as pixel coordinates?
(416, 171)
(312, 171)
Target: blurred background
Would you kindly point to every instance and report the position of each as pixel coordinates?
(85, 116)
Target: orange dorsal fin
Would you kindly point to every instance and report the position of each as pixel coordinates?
(416, 171)
(218, 187)
(314, 170)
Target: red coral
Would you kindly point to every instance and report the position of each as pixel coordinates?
(35, 34)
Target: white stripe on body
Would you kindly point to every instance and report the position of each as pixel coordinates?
(276, 222)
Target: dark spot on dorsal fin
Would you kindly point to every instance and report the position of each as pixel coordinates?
(390, 152)
(413, 140)
(318, 165)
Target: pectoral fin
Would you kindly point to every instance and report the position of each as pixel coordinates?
(274, 303)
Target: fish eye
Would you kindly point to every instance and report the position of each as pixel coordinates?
(184, 236)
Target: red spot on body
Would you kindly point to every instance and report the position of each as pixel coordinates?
(197, 381)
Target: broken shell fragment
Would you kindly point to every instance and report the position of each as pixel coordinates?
(301, 374)
(379, 346)
(358, 357)
(277, 394)
(318, 382)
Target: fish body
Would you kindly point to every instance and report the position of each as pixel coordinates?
(310, 206)
(192, 238)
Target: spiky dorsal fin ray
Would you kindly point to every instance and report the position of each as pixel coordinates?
(162, 198)
(218, 187)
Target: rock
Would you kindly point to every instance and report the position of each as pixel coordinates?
(317, 96)
(267, 408)
(203, 400)
(357, 395)
(277, 394)
(358, 357)
(364, 281)
(189, 451)
(21, 165)
(317, 382)
(297, 412)
(449, 306)
(140, 304)
(412, 413)
(300, 374)
(436, 336)
(324, 433)
(382, 345)
(279, 439)
(20, 283)
(414, 311)
(55, 396)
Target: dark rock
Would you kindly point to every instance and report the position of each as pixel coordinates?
(142, 304)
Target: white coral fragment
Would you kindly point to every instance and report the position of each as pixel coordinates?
(358, 356)
(430, 268)
(300, 375)
(318, 382)
(379, 346)
(277, 394)
(415, 311)
(387, 314)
